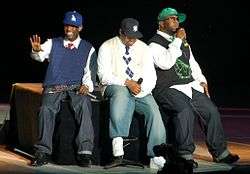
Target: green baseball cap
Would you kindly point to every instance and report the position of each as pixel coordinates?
(166, 12)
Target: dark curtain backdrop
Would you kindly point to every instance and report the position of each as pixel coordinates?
(216, 31)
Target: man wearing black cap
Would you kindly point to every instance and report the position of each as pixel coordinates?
(70, 74)
(182, 89)
(126, 69)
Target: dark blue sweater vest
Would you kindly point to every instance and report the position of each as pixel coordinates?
(66, 66)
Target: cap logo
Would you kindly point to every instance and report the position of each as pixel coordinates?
(135, 28)
(73, 18)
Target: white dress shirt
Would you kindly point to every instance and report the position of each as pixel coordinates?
(47, 46)
(166, 58)
(112, 67)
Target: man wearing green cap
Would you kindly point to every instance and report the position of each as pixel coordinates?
(182, 89)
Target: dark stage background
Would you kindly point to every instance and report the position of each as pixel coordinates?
(216, 31)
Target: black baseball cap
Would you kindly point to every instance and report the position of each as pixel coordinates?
(129, 27)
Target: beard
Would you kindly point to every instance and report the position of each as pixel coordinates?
(70, 35)
(170, 32)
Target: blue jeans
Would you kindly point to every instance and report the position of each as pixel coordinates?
(46, 119)
(122, 106)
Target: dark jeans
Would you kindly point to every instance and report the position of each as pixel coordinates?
(183, 111)
(81, 106)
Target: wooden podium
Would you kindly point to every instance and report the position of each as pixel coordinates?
(25, 101)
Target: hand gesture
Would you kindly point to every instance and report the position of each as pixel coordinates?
(133, 86)
(35, 41)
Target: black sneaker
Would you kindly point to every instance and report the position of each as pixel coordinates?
(84, 160)
(192, 163)
(229, 159)
(116, 161)
(40, 159)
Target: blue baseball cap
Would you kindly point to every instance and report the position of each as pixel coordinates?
(73, 18)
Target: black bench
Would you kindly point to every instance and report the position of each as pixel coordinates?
(65, 131)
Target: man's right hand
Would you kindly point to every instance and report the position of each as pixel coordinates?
(35, 42)
(180, 33)
(133, 86)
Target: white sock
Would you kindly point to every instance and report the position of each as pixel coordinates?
(117, 145)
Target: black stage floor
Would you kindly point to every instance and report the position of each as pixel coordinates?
(237, 129)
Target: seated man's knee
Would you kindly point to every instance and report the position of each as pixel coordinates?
(48, 108)
(115, 90)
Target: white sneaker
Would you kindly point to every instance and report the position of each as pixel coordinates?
(157, 163)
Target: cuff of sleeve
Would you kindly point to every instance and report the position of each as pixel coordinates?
(91, 87)
(177, 42)
(34, 52)
(202, 80)
(123, 81)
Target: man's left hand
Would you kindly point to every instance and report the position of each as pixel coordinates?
(205, 86)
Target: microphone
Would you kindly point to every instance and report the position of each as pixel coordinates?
(184, 41)
(139, 81)
(89, 94)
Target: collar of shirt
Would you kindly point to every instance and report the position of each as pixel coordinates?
(165, 35)
(75, 42)
(122, 45)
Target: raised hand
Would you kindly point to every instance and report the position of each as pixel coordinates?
(35, 42)
(181, 33)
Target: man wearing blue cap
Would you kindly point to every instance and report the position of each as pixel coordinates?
(182, 89)
(126, 69)
(70, 74)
